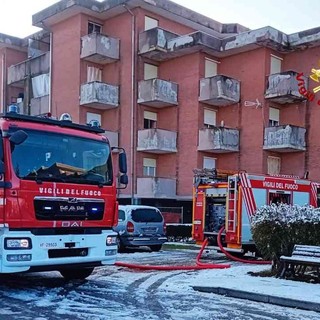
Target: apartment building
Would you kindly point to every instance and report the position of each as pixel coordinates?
(176, 89)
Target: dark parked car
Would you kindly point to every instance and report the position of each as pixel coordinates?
(140, 226)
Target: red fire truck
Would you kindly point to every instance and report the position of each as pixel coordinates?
(57, 196)
(226, 199)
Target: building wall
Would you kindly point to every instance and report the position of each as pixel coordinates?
(66, 67)
(9, 57)
(251, 68)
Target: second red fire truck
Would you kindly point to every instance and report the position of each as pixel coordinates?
(228, 199)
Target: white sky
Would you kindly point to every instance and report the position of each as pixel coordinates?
(288, 16)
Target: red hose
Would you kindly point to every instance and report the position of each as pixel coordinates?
(230, 256)
(198, 265)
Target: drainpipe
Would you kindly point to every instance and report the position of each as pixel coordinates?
(50, 74)
(3, 83)
(132, 126)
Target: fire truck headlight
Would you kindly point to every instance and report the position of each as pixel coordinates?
(17, 243)
(111, 241)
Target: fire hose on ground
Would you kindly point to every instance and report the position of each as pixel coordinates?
(199, 265)
(230, 256)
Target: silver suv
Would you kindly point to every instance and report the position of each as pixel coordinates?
(140, 226)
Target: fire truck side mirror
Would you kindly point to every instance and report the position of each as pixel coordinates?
(124, 179)
(123, 162)
(18, 137)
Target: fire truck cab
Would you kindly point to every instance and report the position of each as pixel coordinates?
(57, 196)
(222, 199)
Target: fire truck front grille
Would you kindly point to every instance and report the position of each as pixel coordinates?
(47, 208)
(62, 253)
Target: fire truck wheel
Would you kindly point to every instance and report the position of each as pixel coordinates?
(76, 274)
(156, 248)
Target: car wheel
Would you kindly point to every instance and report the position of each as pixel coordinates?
(76, 274)
(121, 247)
(156, 248)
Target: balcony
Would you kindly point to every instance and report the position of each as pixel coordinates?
(219, 91)
(157, 141)
(283, 88)
(158, 93)
(155, 187)
(99, 95)
(218, 140)
(153, 43)
(285, 138)
(98, 48)
(39, 105)
(160, 45)
(29, 68)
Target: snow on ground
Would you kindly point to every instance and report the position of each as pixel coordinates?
(113, 293)
(237, 277)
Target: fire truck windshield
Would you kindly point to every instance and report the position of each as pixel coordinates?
(46, 156)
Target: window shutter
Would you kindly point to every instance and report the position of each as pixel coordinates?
(150, 23)
(274, 114)
(150, 71)
(274, 165)
(211, 68)
(210, 117)
(147, 162)
(275, 65)
(150, 115)
(209, 163)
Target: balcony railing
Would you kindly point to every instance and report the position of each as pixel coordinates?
(39, 105)
(29, 68)
(99, 95)
(285, 138)
(98, 48)
(283, 87)
(157, 141)
(155, 187)
(219, 90)
(218, 140)
(158, 93)
(158, 44)
(153, 43)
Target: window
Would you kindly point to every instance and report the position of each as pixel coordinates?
(146, 215)
(275, 64)
(274, 116)
(210, 68)
(274, 165)
(278, 197)
(209, 118)
(150, 71)
(94, 27)
(93, 116)
(121, 215)
(150, 23)
(150, 120)
(209, 163)
(62, 158)
(94, 74)
(149, 167)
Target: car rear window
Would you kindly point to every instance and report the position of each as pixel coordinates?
(121, 215)
(146, 215)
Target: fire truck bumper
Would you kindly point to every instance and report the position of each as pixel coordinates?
(23, 251)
